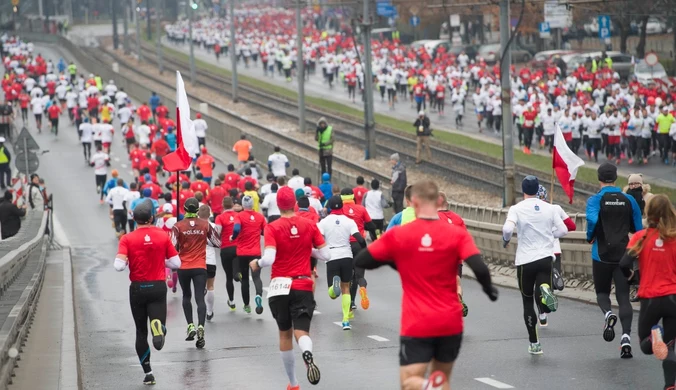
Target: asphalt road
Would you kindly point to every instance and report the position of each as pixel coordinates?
(242, 351)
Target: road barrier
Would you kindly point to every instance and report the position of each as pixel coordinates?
(484, 223)
(21, 275)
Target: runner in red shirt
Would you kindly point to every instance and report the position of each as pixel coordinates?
(359, 190)
(148, 252)
(148, 162)
(51, 88)
(427, 252)
(228, 221)
(54, 111)
(200, 185)
(136, 155)
(144, 113)
(24, 101)
(184, 193)
(160, 148)
(154, 187)
(172, 180)
(162, 111)
(216, 196)
(248, 249)
(288, 246)
(232, 178)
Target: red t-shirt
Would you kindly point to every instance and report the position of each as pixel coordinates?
(216, 196)
(92, 103)
(146, 249)
(243, 182)
(359, 215)
(151, 164)
(156, 190)
(136, 156)
(427, 254)
(228, 219)
(452, 218)
(144, 113)
(310, 214)
(359, 194)
(182, 178)
(24, 100)
(162, 111)
(657, 264)
(54, 111)
(232, 179)
(294, 239)
(51, 87)
(249, 238)
(200, 186)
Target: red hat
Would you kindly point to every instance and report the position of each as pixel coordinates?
(286, 200)
(198, 116)
(204, 149)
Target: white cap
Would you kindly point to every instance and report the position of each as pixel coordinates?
(421, 112)
(167, 208)
(308, 191)
(2, 139)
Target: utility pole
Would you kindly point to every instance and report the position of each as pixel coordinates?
(42, 13)
(300, 62)
(233, 47)
(507, 121)
(158, 41)
(193, 79)
(149, 29)
(137, 11)
(113, 11)
(369, 125)
(125, 42)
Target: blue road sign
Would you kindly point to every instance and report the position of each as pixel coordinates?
(386, 10)
(415, 20)
(544, 28)
(604, 26)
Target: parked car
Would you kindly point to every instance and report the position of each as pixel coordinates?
(645, 74)
(470, 50)
(431, 45)
(655, 26)
(542, 59)
(491, 53)
(622, 63)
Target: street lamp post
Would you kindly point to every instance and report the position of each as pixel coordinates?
(158, 41)
(300, 62)
(507, 134)
(233, 55)
(113, 11)
(369, 122)
(125, 15)
(192, 49)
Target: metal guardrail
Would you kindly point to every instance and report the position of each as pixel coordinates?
(21, 278)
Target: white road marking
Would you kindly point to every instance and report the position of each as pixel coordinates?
(123, 165)
(116, 158)
(317, 312)
(338, 323)
(378, 338)
(494, 383)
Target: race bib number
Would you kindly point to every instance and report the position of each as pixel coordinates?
(528, 123)
(440, 95)
(279, 286)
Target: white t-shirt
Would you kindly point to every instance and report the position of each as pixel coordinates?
(71, 98)
(143, 133)
(535, 221)
(270, 203)
(107, 131)
(278, 162)
(37, 106)
(296, 182)
(99, 160)
(200, 127)
(373, 204)
(211, 251)
(563, 216)
(130, 197)
(124, 114)
(337, 230)
(87, 131)
(116, 197)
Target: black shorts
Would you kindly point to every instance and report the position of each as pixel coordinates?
(38, 117)
(55, 121)
(414, 350)
(211, 271)
(673, 146)
(293, 310)
(340, 267)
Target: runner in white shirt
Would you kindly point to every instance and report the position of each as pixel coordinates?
(337, 230)
(110, 89)
(120, 98)
(270, 204)
(107, 132)
(61, 91)
(123, 114)
(116, 199)
(29, 83)
(314, 202)
(200, 129)
(86, 131)
(38, 108)
(100, 161)
(537, 224)
(278, 162)
(374, 202)
(131, 196)
(36, 92)
(204, 212)
(143, 133)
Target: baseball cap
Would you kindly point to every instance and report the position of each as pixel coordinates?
(167, 208)
(247, 202)
(607, 173)
(299, 193)
(191, 205)
(335, 202)
(530, 185)
(307, 191)
(285, 198)
(143, 212)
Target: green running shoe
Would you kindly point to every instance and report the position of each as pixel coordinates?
(535, 348)
(247, 309)
(191, 332)
(548, 297)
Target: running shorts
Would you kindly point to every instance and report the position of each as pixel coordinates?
(211, 271)
(293, 310)
(339, 267)
(55, 121)
(414, 350)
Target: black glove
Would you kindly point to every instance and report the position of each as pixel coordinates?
(492, 293)
(505, 243)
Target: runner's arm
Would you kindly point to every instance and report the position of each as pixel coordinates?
(357, 236)
(483, 275)
(173, 263)
(321, 253)
(121, 262)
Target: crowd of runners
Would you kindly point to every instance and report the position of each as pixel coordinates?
(174, 226)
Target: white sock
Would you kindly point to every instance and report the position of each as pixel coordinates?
(305, 343)
(543, 316)
(290, 366)
(210, 297)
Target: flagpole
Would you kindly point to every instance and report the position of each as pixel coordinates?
(551, 188)
(178, 192)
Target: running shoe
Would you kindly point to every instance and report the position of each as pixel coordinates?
(200, 337)
(465, 309)
(98, 189)
(191, 332)
(334, 290)
(535, 349)
(543, 320)
(238, 277)
(435, 381)
(659, 346)
(346, 325)
(149, 380)
(364, 298)
(210, 316)
(353, 306)
(259, 304)
(289, 387)
(231, 305)
(558, 282)
(247, 309)
(158, 334)
(609, 327)
(313, 374)
(548, 297)
(625, 348)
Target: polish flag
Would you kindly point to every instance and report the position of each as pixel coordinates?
(565, 163)
(187, 145)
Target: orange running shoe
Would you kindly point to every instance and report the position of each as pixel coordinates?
(289, 387)
(660, 349)
(364, 298)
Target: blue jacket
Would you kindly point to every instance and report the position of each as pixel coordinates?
(135, 203)
(593, 209)
(395, 221)
(327, 189)
(154, 101)
(171, 140)
(112, 183)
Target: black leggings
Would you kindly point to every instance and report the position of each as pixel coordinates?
(87, 150)
(148, 301)
(242, 266)
(531, 276)
(120, 218)
(527, 137)
(101, 182)
(228, 255)
(652, 311)
(198, 276)
(379, 228)
(604, 274)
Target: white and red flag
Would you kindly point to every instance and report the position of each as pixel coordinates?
(187, 145)
(565, 164)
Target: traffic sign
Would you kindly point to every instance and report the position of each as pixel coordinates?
(545, 30)
(30, 141)
(604, 26)
(651, 59)
(386, 10)
(558, 15)
(415, 20)
(32, 159)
